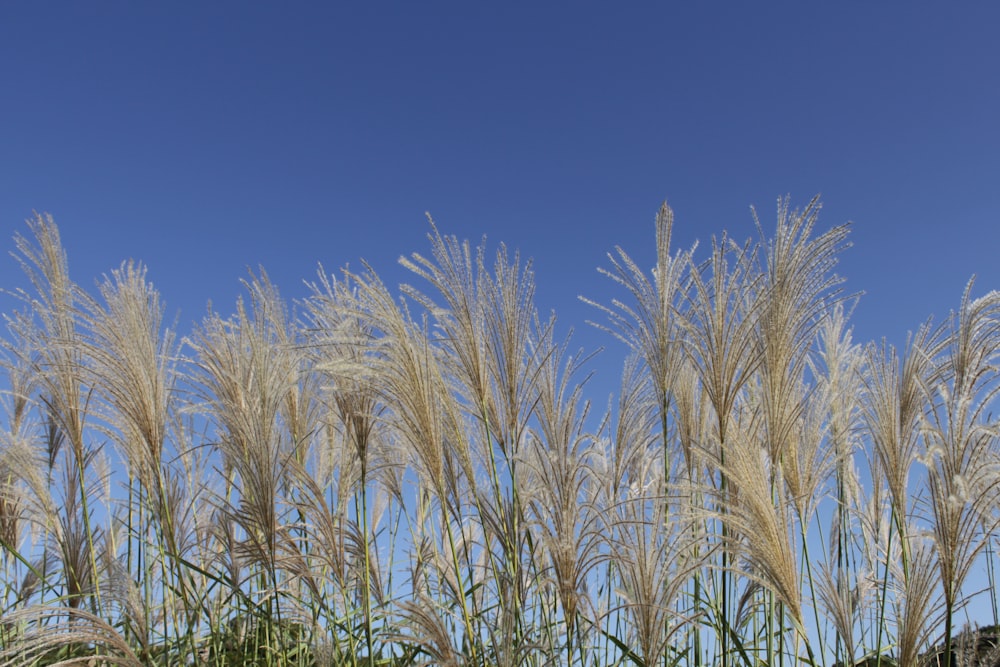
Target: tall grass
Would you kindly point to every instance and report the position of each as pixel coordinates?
(422, 475)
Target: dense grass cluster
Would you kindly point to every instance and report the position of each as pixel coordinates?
(417, 477)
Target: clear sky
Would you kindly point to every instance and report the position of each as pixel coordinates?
(203, 138)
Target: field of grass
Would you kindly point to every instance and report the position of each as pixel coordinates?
(418, 476)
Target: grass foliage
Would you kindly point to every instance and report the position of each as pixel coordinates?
(414, 476)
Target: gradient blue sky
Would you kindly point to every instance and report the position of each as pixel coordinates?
(203, 138)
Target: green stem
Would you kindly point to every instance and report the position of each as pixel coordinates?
(366, 594)
(812, 588)
(883, 601)
(458, 582)
(95, 574)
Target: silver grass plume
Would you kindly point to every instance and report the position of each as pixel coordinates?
(50, 628)
(560, 488)
(798, 285)
(720, 325)
(963, 445)
(57, 360)
(651, 546)
(650, 324)
(56, 354)
(896, 398)
(759, 517)
(245, 376)
(131, 359)
(916, 603)
(411, 382)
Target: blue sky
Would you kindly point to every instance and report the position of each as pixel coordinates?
(203, 138)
